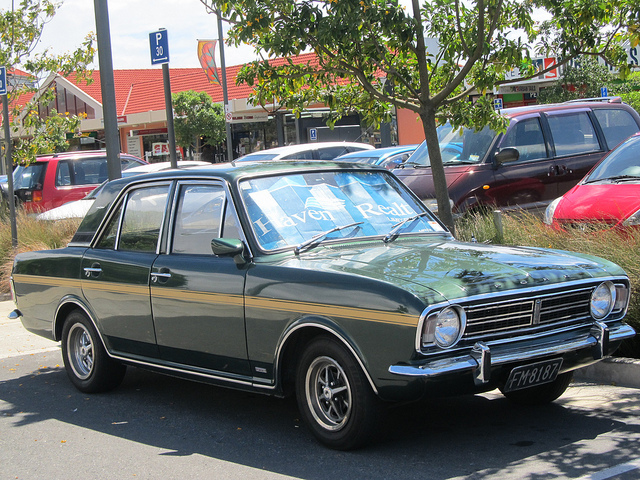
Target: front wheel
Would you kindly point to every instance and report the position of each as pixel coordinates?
(541, 394)
(334, 396)
(88, 366)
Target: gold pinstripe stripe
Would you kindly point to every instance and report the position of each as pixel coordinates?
(46, 281)
(292, 306)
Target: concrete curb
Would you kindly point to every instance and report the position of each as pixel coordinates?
(612, 371)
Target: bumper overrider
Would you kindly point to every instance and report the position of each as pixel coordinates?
(577, 348)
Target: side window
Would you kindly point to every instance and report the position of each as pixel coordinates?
(573, 134)
(200, 217)
(108, 240)
(63, 174)
(526, 136)
(142, 219)
(617, 124)
(306, 155)
(329, 153)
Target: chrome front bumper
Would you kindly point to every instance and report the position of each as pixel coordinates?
(482, 358)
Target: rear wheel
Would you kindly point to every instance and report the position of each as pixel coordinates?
(86, 361)
(334, 396)
(541, 394)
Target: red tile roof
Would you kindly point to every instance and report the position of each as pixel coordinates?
(140, 91)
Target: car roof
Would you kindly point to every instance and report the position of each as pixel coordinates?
(80, 154)
(606, 102)
(304, 147)
(379, 152)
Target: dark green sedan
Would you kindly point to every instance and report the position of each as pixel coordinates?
(328, 280)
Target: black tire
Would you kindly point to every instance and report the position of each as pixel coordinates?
(88, 366)
(334, 396)
(542, 394)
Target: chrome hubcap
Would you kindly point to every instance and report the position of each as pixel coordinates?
(328, 393)
(80, 351)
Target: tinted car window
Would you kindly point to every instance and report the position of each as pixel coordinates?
(143, 216)
(307, 155)
(526, 136)
(29, 177)
(198, 218)
(329, 153)
(616, 124)
(573, 133)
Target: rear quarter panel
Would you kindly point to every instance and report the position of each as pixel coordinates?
(42, 279)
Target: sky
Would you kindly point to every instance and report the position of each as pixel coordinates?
(130, 23)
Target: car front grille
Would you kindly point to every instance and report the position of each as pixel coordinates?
(549, 310)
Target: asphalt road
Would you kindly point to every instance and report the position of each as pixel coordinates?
(158, 427)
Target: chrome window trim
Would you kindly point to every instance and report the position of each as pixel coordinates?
(491, 298)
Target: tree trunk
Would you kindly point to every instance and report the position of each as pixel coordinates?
(428, 118)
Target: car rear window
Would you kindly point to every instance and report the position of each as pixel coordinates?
(616, 124)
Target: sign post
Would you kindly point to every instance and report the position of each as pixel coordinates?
(8, 160)
(159, 44)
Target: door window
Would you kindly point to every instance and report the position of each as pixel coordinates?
(143, 215)
(573, 134)
(526, 136)
(200, 217)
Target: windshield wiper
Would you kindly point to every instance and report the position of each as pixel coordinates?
(615, 178)
(317, 239)
(393, 234)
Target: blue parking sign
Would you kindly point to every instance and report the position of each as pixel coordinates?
(3, 80)
(159, 44)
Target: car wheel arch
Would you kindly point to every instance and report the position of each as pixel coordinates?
(68, 305)
(296, 338)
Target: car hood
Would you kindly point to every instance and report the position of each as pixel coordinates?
(420, 180)
(604, 202)
(449, 270)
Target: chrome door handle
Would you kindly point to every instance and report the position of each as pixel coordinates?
(90, 270)
(155, 275)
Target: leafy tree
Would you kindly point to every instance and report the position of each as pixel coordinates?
(584, 78)
(20, 32)
(374, 54)
(197, 118)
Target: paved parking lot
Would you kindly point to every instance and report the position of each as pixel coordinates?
(155, 426)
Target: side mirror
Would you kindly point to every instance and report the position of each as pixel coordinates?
(508, 154)
(229, 247)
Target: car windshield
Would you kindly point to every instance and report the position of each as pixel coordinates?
(622, 163)
(457, 146)
(287, 211)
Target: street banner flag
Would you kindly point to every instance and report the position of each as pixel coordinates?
(207, 57)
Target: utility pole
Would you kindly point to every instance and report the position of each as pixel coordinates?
(107, 84)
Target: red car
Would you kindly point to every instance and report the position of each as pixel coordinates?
(55, 179)
(609, 195)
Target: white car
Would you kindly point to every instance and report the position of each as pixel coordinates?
(306, 151)
(79, 208)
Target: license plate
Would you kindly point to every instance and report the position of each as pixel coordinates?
(534, 374)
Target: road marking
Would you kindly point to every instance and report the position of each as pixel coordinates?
(29, 352)
(613, 471)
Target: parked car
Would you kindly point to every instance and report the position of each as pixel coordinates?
(324, 279)
(387, 157)
(79, 208)
(306, 151)
(55, 179)
(546, 151)
(609, 196)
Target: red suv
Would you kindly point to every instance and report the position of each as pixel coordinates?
(55, 179)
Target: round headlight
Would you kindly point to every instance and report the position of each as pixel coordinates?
(448, 327)
(602, 300)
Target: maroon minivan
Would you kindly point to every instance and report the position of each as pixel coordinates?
(546, 150)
